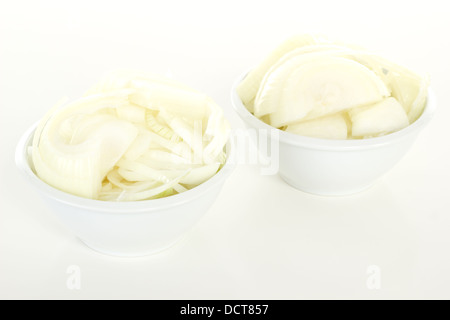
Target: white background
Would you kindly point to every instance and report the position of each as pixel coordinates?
(262, 239)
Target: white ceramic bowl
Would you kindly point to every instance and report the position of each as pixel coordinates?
(336, 167)
(126, 228)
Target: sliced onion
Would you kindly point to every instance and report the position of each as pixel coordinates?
(131, 137)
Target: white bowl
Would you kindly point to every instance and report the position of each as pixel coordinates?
(335, 167)
(126, 228)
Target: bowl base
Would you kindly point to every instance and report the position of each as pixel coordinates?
(328, 193)
(130, 254)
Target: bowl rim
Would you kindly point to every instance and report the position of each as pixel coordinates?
(107, 207)
(330, 144)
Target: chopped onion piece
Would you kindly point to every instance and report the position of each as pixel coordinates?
(306, 81)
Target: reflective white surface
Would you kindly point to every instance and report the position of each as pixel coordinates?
(261, 238)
